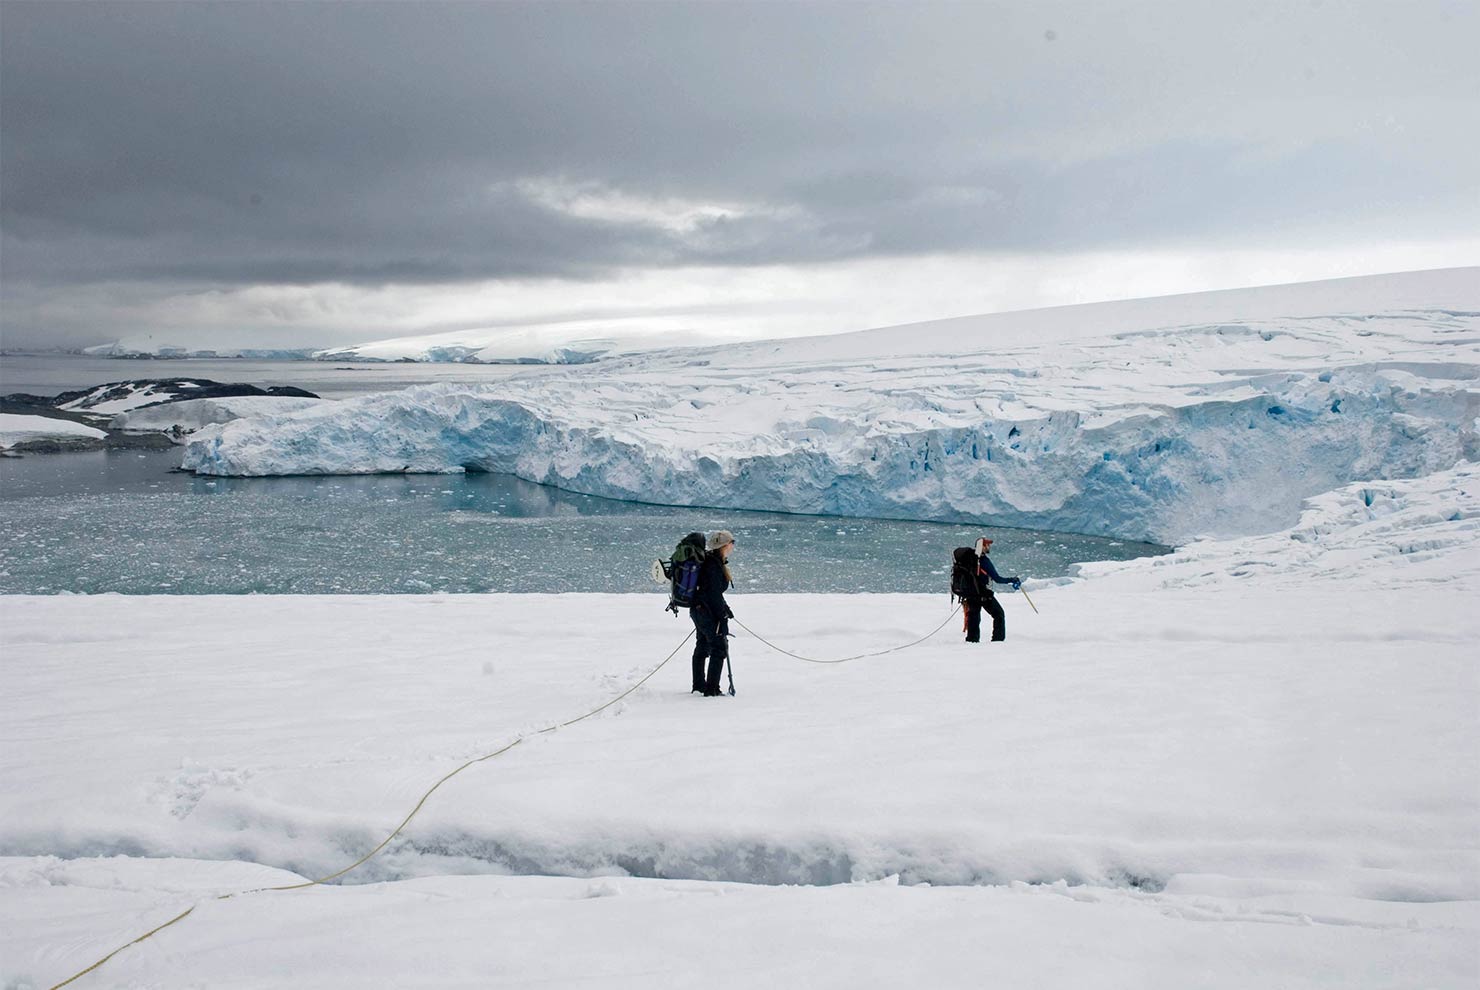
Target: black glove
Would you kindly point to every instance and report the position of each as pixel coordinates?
(1017, 583)
(729, 612)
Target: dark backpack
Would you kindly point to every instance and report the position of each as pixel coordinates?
(682, 571)
(964, 565)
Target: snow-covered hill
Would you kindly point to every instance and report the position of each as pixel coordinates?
(579, 343)
(1212, 414)
(114, 398)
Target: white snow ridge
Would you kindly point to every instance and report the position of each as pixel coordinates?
(1153, 431)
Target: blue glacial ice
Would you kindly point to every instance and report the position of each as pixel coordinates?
(1167, 435)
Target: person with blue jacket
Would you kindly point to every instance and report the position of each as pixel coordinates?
(976, 591)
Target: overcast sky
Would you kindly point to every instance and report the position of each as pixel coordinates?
(313, 174)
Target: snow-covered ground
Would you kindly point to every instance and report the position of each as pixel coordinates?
(16, 428)
(1092, 419)
(1252, 763)
(192, 414)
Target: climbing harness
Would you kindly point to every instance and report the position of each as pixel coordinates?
(394, 832)
(856, 656)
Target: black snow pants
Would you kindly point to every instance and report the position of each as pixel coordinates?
(974, 608)
(712, 640)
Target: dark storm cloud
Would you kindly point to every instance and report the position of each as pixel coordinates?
(299, 143)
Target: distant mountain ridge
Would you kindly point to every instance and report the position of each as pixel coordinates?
(135, 348)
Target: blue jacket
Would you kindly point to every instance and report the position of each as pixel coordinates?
(986, 570)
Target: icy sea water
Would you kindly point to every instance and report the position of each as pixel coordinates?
(121, 521)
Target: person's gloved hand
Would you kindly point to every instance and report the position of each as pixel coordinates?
(1017, 583)
(729, 612)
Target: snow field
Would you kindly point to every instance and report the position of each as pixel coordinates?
(933, 770)
(1255, 764)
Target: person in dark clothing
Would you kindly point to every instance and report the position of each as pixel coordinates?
(979, 596)
(711, 614)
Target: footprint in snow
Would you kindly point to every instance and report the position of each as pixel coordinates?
(183, 791)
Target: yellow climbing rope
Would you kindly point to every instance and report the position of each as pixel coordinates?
(856, 656)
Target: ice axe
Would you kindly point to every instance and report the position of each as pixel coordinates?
(1030, 601)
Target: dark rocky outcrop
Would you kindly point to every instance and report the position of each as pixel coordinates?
(168, 390)
(157, 390)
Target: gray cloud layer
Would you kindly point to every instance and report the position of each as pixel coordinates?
(232, 144)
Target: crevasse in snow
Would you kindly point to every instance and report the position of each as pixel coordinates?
(1167, 434)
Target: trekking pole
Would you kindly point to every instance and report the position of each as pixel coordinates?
(729, 666)
(1030, 601)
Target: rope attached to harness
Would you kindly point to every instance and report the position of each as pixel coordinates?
(856, 656)
(394, 832)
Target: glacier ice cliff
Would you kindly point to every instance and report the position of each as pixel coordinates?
(1161, 434)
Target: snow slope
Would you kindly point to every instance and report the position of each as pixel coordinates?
(16, 428)
(1166, 419)
(1249, 763)
(579, 342)
(192, 414)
